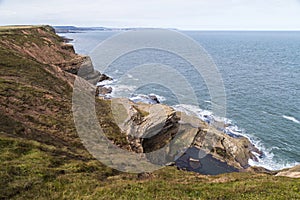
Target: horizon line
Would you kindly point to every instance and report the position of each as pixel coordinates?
(179, 29)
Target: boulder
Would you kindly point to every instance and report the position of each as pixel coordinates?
(154, 98)
(104, 77)
(292, 172)
(102, 90)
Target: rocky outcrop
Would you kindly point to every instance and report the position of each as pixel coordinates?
(234, 151)
(292, 172)
(142, 122)
(103, 90)
(104, 77)
(150, 128)
(86, 70)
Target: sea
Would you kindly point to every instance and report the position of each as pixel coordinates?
(261, 75)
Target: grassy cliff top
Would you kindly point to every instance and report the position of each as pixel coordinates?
(9, 27)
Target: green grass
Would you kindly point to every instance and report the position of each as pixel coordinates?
(28, 166)
(108, 124)
(29, 169)
(142, 113)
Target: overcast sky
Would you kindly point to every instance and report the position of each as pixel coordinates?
(182, 14)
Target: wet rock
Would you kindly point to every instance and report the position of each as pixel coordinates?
(104, 77)
(102, 91)
(292, 172)
(148, 99)
(154, 98)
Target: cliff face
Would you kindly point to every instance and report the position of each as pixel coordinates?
(292, 172)
(42, 45)
(36, 82)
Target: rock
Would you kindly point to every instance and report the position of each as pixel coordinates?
(140, 120)
(292, 172)
(68, 47)
(145, 176)
(104, 77)
(66, 40)
(88, 72)
(260, 170)
(154, 98)
(147, 99)
(102, 91)
(158, 130)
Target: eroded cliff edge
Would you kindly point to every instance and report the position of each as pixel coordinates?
(41, 44)
(36, 81)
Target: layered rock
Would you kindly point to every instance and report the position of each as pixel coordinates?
(151, 128)
(292, 172)
(86, 70)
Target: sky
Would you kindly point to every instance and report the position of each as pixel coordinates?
(181, 14)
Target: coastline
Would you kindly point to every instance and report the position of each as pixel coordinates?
(272, 159)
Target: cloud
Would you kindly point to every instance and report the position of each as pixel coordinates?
(188, 14)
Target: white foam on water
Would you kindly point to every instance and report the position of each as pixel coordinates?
(267, 160)
(293, 119)
(160, 98)
(121, 90)
(141, 98)
(147, 98)
(105, 83)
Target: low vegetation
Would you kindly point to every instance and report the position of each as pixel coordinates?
(30, 169)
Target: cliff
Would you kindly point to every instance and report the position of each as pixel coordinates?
(41, 155)
(42, 45)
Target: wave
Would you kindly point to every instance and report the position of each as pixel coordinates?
(159, 97)
(148, 99)
(293, 119)
(227, 125)
(105, 83)
(267, 160)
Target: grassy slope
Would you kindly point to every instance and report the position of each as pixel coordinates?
(33, 170)
(41, 155)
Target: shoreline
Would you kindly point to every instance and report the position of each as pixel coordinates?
(104, 84)
(262, 155)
